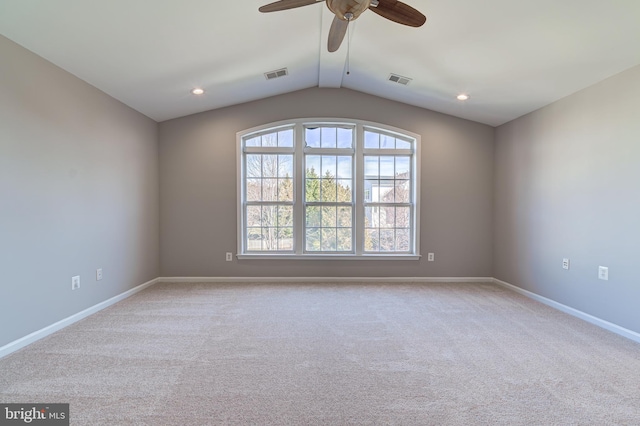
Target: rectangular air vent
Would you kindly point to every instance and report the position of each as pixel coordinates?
(399, 79)
(275, 74)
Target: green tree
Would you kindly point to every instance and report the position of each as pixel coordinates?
(328, 226)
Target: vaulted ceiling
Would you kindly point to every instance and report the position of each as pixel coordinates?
(510, 56)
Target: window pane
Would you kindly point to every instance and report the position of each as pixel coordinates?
(285, 189)
(386, 191)
(387, 240)
(372, 191)
(270, 239)
(329, 216)
(387, 142)
(344, 217)
(254, 165)
(255, 141)
(344, 167)
(254, 189)
(285, 138)
(403, 240)
(254, 239)
(312, 190)
(403, 167)
(403, 191)
(371, 240)
(285, 239)
(254, 216)
(403, 217)
(328, 137)
(328, 190)
(387, 169)
(371, 218)
(344, 194)
(269, 216)
(285, 216)
(312, 183)
(312, 137)
(371, 140)
(371, 166)
(328, 239)
(285, 166)
(269, 189)
(313, 239)
(313, 216)
(313, 166)
(329, 166)
(269, 165)
(400, 144)
(344, 240)
(345, 137)
(387, 217)
(270, 139)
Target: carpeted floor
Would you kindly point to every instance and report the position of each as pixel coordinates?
(330, 354)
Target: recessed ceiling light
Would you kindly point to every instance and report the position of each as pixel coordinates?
(197, 91)
(462, 97)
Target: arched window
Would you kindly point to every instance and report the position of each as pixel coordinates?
(328, 188)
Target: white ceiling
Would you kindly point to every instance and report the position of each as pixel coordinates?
(511, 56)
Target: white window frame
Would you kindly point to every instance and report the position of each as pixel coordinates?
(359, 153)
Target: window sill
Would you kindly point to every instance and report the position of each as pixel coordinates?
(273, 256)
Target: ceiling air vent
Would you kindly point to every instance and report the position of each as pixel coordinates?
(399, 79)
(275, 74)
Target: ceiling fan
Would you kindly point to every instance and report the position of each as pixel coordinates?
(349, 10)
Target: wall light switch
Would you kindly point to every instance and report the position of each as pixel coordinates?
(75, 282)
(603, 273)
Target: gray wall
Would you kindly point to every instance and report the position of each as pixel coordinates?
(78, 191)
(198, 189)
(567, 184)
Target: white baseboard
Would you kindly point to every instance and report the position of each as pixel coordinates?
(324, 279)
(37, 335)
(629, 334)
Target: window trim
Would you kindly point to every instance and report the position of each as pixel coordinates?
(359, 153)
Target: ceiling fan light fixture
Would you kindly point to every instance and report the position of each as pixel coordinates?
(462, 97)
(350, 8)
(197, 91)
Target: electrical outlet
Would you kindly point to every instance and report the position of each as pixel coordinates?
(229, 257)
(75, 282)
(430, 257)
(98, 274)
(603, 273)
(565, 263)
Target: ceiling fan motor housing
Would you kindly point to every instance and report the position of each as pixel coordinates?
(341, 7)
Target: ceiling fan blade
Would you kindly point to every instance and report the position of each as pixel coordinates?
(399, 12)
(286, 4)
(336, 33)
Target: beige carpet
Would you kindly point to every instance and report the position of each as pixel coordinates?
(330, 354)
